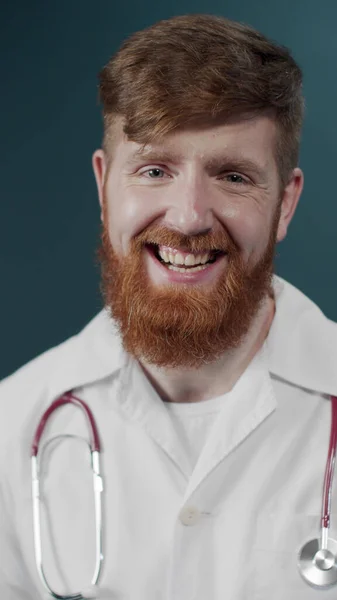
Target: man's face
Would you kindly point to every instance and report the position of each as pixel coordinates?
(192, 191)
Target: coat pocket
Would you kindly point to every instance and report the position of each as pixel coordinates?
(276, 574)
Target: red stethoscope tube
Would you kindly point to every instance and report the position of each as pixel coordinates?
(67, 398)
(317, 559)
(330, 466)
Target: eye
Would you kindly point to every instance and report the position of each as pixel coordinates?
(234, 178)
(154, 173)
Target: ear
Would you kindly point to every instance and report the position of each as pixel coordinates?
(290, 198)
(99, 165)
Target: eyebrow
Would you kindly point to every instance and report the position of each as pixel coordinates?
(212, 164)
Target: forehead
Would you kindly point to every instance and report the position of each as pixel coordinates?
(252, 139)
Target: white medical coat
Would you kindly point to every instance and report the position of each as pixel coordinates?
(231, 530)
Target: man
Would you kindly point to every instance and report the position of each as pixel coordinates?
(209, 378)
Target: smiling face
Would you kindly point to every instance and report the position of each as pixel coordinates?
(193, 191)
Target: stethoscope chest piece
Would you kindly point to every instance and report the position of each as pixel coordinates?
(319, 566)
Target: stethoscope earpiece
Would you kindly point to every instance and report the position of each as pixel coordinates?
(317, 565)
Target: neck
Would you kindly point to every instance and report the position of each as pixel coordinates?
(210, 381)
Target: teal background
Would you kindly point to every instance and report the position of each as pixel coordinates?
(51, 53)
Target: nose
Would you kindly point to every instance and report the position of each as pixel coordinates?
(190, 212)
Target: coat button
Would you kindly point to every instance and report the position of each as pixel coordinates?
(189, 515)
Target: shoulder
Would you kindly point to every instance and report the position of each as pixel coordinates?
(24, 391)
(302, 341)
(90, 355)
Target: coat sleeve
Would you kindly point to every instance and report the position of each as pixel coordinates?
(17, 405)
(14, 579)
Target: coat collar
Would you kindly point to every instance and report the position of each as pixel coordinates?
(302, 345)
(302, 341)
(95, 353)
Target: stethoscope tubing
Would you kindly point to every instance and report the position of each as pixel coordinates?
(68, 398)
(317, 559)
(330, 467)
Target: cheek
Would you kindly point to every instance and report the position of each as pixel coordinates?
(249, 228)
(129, 212)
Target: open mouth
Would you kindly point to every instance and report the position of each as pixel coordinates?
(214, 256)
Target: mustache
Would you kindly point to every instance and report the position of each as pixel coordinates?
(162, 236)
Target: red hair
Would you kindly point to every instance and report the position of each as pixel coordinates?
(202, 69)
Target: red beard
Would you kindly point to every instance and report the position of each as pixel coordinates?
(182, 326)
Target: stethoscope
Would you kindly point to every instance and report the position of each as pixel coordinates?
(317, 560)
(68, 398)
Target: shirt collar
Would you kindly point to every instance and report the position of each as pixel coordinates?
(301, 345)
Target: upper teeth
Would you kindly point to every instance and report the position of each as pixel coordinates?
(187, 259)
